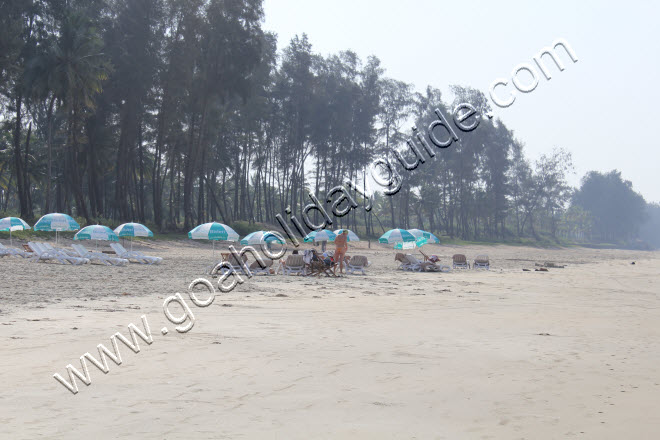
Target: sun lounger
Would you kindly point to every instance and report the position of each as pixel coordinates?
(67, 252)
(460, 262)
(98, 257)
(425, 266)
(357, 263)
(6, 251)
(42, 253)
(136, 256)
(256, 268)
(294, 264)
(405, 264)
(481, 262)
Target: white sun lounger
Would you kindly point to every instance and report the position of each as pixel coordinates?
(7, 251)
(136, 256)
(256, 268)
(357, 263)
(98, 257)
(42, 253)
(294, 265)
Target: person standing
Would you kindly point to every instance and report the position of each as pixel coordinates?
(341, 243)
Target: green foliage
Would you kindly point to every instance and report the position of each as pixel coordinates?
(176, 112)
(615, 209)
(244, 228)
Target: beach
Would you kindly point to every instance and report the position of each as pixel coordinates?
(573, 352)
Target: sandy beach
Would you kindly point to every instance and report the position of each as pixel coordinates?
(499, 354)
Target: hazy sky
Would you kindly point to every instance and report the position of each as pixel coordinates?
(602, 109)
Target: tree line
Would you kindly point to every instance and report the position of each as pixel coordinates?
(178, 112)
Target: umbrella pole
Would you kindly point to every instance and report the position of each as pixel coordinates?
(213, 241)
(11, 243)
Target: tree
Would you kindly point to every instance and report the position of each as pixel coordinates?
(616, 210)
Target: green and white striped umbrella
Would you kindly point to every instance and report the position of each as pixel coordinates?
(352, 236)
(213, 231)
(419, 242)
(133, 230)
(396, 236)
(12, 224)
(96, 232)
(259, 237)
(322, 235)
(420, 233)
(56, 222)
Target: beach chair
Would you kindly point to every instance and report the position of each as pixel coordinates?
(357, 263)
(426, 257)
(317, 265)
(4, 251)
(98, 257)
(420, 266)
(294, 264)
(136, 256)
(256, 268)
(404, 263)
(7, 251)
(235, 265)
(42, 253)
(50, 247)
(481, 262)
(460, 262)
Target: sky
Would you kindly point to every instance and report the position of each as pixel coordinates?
(602, 108)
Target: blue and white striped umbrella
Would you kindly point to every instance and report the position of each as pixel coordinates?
(96, 232)
(56, 222)
(419, 233)
(352, 236)
(12, 224)
(322, 235)
(419, 242)
(396, 236)
(133, 230)
(213, 231)
(260, 237)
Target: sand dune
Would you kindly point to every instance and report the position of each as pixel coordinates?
(504, 354)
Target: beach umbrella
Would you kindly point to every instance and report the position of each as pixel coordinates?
(322, 235)
(12, 224)
(419, 242)
(213, 231)
(396, 236)
(352, 236)
(133, 230)
(96, 233)
(419, 233)
(259, 237)
(56, 222)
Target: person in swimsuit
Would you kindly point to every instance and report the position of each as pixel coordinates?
(341, 243)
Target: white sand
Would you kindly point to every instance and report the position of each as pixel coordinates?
(389, 355)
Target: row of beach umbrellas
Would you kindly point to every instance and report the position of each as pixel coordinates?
(214, 231)
(62, 222)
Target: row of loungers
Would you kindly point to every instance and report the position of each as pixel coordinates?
(480, 262)
(459, 261)
(293, 265)
(79, 255)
